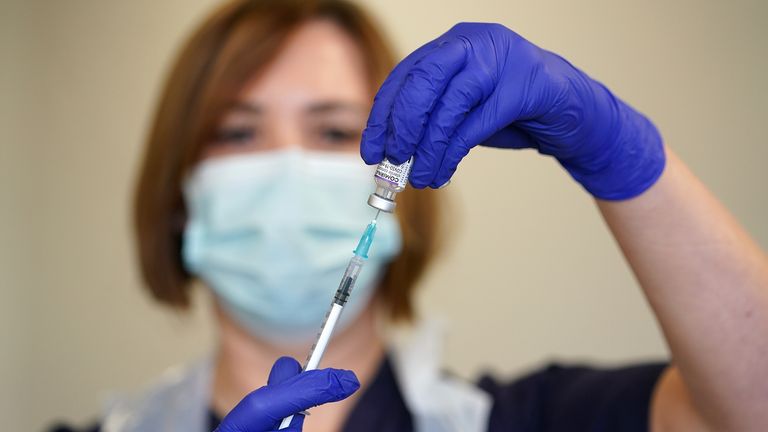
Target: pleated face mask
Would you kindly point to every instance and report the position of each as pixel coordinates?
(271, 234)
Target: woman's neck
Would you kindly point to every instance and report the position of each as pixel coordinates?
(243, 362)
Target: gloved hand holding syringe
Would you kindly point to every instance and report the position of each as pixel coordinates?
(390, 180)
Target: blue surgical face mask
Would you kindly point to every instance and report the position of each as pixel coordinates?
(271, 233)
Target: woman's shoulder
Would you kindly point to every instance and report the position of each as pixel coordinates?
(179, 396)
(562, 397)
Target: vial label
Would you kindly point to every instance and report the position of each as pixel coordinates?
(397, 175)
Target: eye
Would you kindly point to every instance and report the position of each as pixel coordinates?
(335, 135)
(235, 135)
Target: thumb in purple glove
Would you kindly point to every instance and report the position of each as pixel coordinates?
(288, 392)
(284, 369)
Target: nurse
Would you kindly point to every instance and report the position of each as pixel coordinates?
(252, 185)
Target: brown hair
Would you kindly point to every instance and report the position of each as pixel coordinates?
(239, 39)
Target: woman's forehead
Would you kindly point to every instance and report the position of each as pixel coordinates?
(320, 62)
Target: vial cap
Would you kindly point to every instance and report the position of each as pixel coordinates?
(380, 203)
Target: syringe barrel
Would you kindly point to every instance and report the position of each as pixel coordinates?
(331, 318)
(348, 280)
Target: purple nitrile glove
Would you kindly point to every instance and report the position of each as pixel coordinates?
(484, 84)
(288, 392)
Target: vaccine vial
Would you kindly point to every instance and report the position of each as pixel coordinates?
(390, 180)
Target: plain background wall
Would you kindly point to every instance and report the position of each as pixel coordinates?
(532, 273)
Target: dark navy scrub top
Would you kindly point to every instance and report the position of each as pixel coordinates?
(553, 399)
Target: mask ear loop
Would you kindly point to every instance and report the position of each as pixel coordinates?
(178, 224)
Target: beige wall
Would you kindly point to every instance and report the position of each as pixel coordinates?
(78, 78)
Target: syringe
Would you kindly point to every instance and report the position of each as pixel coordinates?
(360, 254)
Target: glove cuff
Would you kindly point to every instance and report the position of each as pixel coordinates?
(631, 164)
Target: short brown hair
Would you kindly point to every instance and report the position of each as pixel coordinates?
(239, 39)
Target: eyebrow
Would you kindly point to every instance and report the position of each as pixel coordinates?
(316, 108)
(247, 107)
(325, 107)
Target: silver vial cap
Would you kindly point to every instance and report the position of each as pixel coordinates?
(380, 203)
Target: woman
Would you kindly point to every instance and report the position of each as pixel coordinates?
(250, 184)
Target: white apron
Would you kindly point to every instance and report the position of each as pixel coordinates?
(179, 400)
